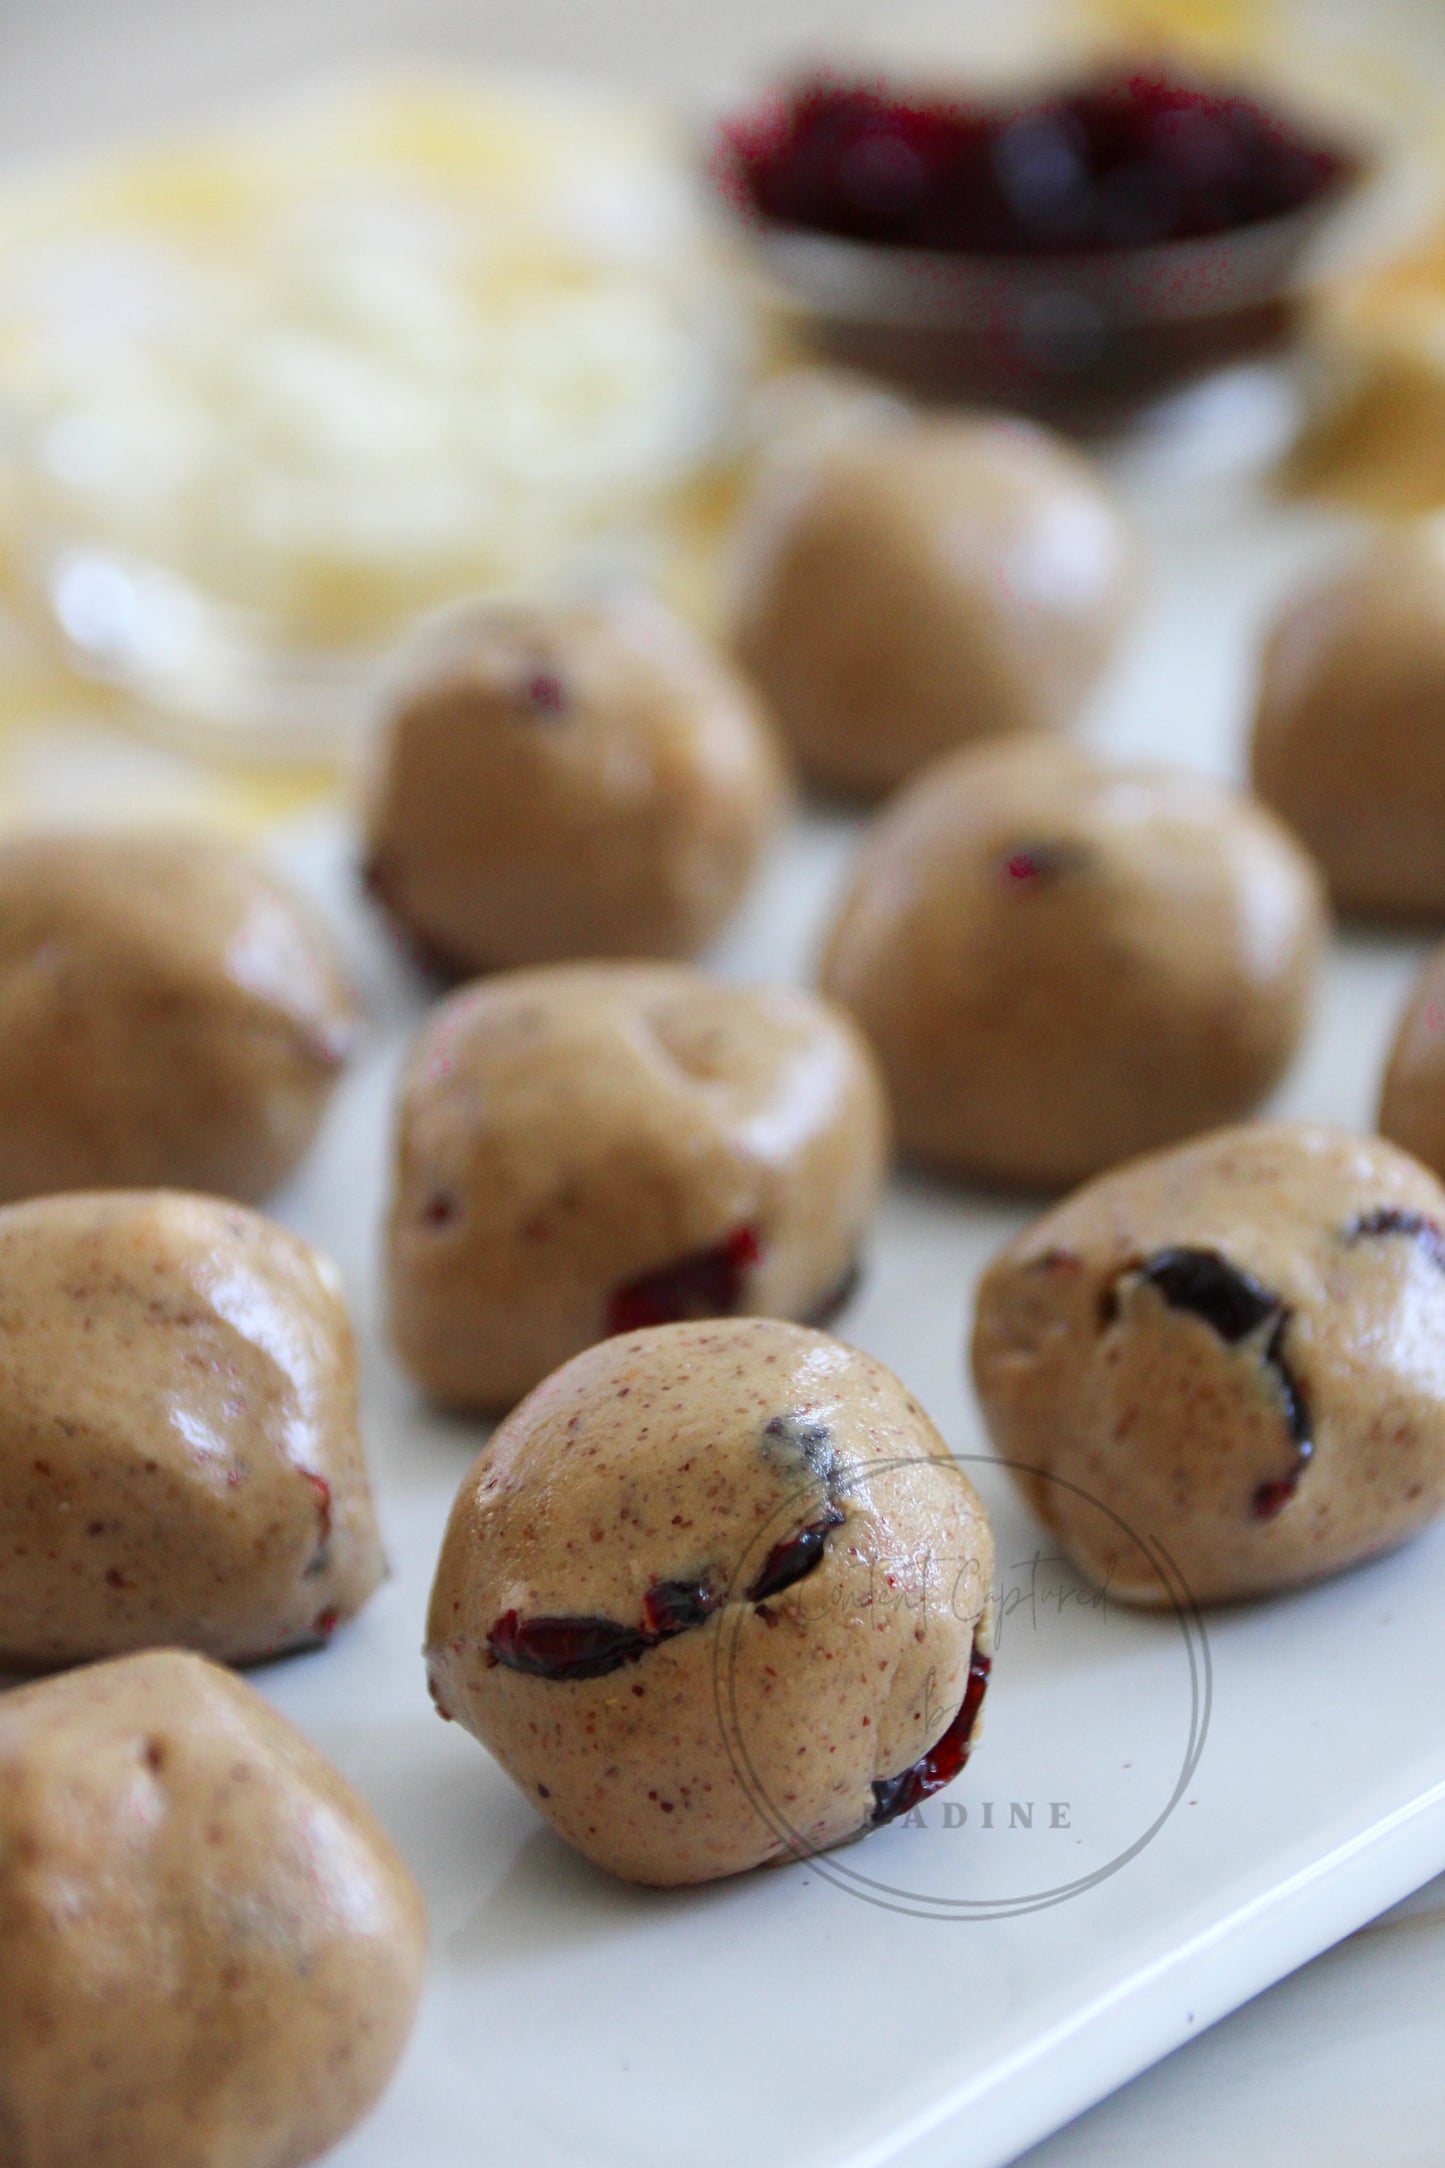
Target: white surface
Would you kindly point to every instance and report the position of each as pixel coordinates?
(782, 2019)
(1337, 2066)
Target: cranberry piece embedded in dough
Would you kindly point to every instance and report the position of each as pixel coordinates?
(707, 1284)
(893, 1796)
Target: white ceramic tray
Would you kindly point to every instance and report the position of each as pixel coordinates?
(1224, 1805)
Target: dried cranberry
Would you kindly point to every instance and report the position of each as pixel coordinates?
(1271, 1498)
(837, 1298)
(795, 1557)
(1124, 161)
(893, 1796)
(707, 1284)
(322, 1489)
(565, 1648)
(1034, 866)
(1232, 1303)
(1393, 1220)
(588, 1648)
(671, 1607)
(546, 694)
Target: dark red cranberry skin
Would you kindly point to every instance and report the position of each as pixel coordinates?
(836, 1300)
(1036, 866)
(588, 1648)
(1394, 1220)
(710, 1283)
(672, 1607)
(546, 694)
(566, 1648)
(1128, 160)
(1234, 1304)
(944, 1760)
(322, 1490)
(792, 1560)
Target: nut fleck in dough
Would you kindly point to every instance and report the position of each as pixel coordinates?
(179, 1459)
(915, 588)
(210, 1954)
(1412, 1104)
(714, 1595)
(570, 782)
(584, 1149)
(1062, 963)
(1349, 732)
(169, 1014)
(1238, 1347)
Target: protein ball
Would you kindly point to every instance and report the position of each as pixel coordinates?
(1412, 1102)
(715, 1596)
(910, 589)
(585, 1149)
(1060, 963)
(1349, 731)
(570, 781)
(1238, 1349)
(210, 1955)
(179, 1458)
(169, 1014)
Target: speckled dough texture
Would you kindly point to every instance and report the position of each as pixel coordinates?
(911, 588)
(1349, 731)
(179, 1457)
(569, 781)
(169, 1014)
(1238, 1349)
(770, 1531)
(1412, 1101)
(1061, 963)
(210, 1955)
(592, 1146)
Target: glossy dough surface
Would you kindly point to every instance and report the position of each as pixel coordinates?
(1349, 732)
(917, 587)
(582, 1148)
(1238, 1349)
(1061, 963)
(772, 1533)
(179, 1457)
(210, 1955)
(555, 783)
(169, 1014)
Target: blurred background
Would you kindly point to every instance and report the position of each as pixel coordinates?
(314, 318)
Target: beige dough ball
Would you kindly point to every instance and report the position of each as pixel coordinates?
(179, 1459)
(563, 782)
(1412, 1103)
(589, 1148)
(169, 1014)
(715, 1595)
(914, 588)
(210, 1955)
(1349, 732)
(1061, 963)
(1238, 1348)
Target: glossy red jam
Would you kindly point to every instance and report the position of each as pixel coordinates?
(1126, 161)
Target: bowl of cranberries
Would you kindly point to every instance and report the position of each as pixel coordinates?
(1076, 254)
